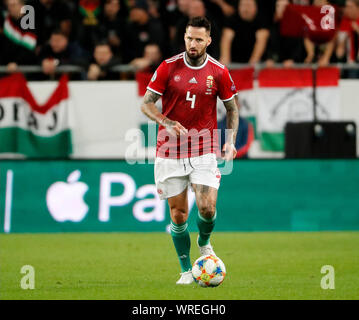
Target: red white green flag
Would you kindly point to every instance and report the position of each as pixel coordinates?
(286, 95)
(29, 128)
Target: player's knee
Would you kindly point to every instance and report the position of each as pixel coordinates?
(178, 216)
(207, 211)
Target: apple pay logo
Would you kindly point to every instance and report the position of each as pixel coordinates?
(65, 199)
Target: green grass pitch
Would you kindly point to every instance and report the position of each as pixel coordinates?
(276, 265)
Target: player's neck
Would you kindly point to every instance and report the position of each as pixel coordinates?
(196, 62)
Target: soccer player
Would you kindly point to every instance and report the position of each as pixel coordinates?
(189, 84)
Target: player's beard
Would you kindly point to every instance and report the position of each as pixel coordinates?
(197, 57)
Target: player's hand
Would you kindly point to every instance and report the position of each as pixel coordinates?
(174, 128)
(229, 150)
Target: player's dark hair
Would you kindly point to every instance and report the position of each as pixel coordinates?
(199, 22)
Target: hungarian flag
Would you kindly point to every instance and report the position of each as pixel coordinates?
(244, 79)
(286, 95)
(21, 37)
(31, 129)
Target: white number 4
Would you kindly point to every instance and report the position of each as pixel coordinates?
(192, 99)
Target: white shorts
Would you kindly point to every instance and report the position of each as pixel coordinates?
(172, 176)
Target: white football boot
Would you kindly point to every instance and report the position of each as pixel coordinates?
(186, 278)
(206, 250)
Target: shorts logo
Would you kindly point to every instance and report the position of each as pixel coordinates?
(218, 174)
(159, 191)
(177, 78)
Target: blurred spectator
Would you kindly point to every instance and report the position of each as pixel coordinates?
(266, 9)
(282, 49)
(113, 26)
(143, 30)
(103, 60)
(351, 10)
(245, 36)
(319, 52)
(183, 6)
(17, 44)
(153, 9)
(87, 19)
(348, 40)
(151, 59)
(221, 10)
(227, 7)
(347, 49)
(305, 21)
(171, 11)
(59, 51)
(51, 15)
(196, 8)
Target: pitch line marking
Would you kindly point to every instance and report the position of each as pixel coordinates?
(8, 200)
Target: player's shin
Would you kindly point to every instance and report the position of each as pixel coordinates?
(205, 228)
(182, 243)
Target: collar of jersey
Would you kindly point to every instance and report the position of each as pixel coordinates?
(192, 67)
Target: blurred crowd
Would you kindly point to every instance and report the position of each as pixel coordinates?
(99, 34)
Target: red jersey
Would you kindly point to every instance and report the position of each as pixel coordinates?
(346, 26)
(189, 96)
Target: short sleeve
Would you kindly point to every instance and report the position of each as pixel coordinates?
(158, 81)
(227, 89)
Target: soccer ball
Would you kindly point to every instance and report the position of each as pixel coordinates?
(208, 271)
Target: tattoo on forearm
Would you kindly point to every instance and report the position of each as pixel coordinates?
(149, 108)
(150, 97)
(232, 117)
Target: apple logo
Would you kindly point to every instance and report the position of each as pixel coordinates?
(65, 200)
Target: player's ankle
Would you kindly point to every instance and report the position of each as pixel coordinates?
(202, 242)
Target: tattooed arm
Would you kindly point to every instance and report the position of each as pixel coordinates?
(232, 125)
(149, 108)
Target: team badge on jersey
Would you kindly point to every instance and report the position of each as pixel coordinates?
(209, 82)
(177, 78)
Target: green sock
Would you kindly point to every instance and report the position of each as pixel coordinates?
(205, 227)
(182, 242)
